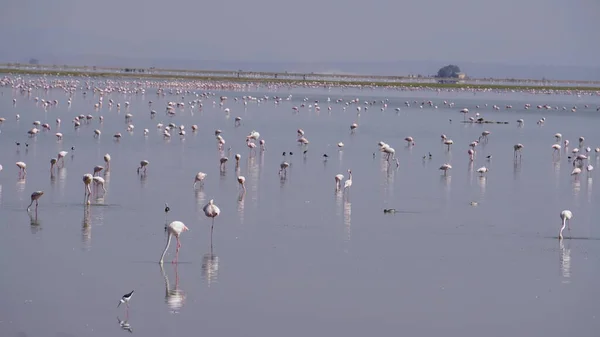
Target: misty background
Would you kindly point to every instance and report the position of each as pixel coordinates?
(536, 39)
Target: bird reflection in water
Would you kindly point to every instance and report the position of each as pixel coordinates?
(240, 207)
(124, 325)
(516, 169)
(446, 180)
(210, 266)
(175, 298)
(34, 222)
(576, 187)
(348, 219)
(143, 180)
(482, 182)
(200, 200)
(565, 262)
(86, 228)
(21, 187)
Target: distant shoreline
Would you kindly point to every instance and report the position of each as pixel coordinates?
(285, 78)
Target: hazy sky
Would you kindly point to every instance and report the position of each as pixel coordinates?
(551, 32)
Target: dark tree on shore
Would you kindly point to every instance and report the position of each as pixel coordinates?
(449, 71)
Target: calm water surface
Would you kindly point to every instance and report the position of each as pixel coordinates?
(293, 258)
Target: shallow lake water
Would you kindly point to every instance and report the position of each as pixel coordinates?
(292, 257)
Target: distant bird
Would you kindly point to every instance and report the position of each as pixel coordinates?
(489, 157)
(125, 299)
(353, 127)
(348, 182)
(167, 209)
(22, 168)
(338, 181)
(518, 148)
(107, 161)
(199, 178)
(212, 211)
(223, 161)
(389, 210)
(482, 170)
(34, 197)
(242, 181)
(283, 168)
(100, 181)
(143, 165)
(565, 216)
(175, 228)
(446, 168)
(52, 163)
(87, 180)
(61, 155)
(97, 169)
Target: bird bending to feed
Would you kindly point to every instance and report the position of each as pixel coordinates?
(565, 216)
(34, 197)
(242, 181)
(125, 299)
(143, 165)
(199, 178)
(389, 210)
(445, 168)
(338, 181)
(175, 228)
(212, 211)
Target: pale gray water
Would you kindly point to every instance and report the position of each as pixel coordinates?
(293, 258)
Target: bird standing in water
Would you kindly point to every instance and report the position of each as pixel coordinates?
(565, 216)
(125, 299)
(212, 211)
(34, 197)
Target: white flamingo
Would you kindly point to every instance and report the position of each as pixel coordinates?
(566, 217)
(175, 228)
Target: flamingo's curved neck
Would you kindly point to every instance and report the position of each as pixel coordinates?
(166, 247)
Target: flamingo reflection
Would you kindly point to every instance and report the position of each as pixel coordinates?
(210, 266)
(565, 262)
(175, 297)
(86, 228)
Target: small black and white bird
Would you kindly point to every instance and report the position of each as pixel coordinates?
(167, 209)
(125, 299)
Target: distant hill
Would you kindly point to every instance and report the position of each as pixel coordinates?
(472, 69)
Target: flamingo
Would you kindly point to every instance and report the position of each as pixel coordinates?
(446, 167)
(143, 164)
(448, 143)
(61, 155)
(262, 144)
(556, 148)
(175, 228)
(87, 180)
(212, 211)
(107, 161)
(34, 197)
(348, 182)
(353, 127)
(223, 161)
(242, 181)
(22, 168)
(518, 148)
(199, 178)
(99, 181)
(97, 169)
(482, 170)
(565, 216)
(283, 168)
(410, 141)
(237, 160)
(338, 181)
